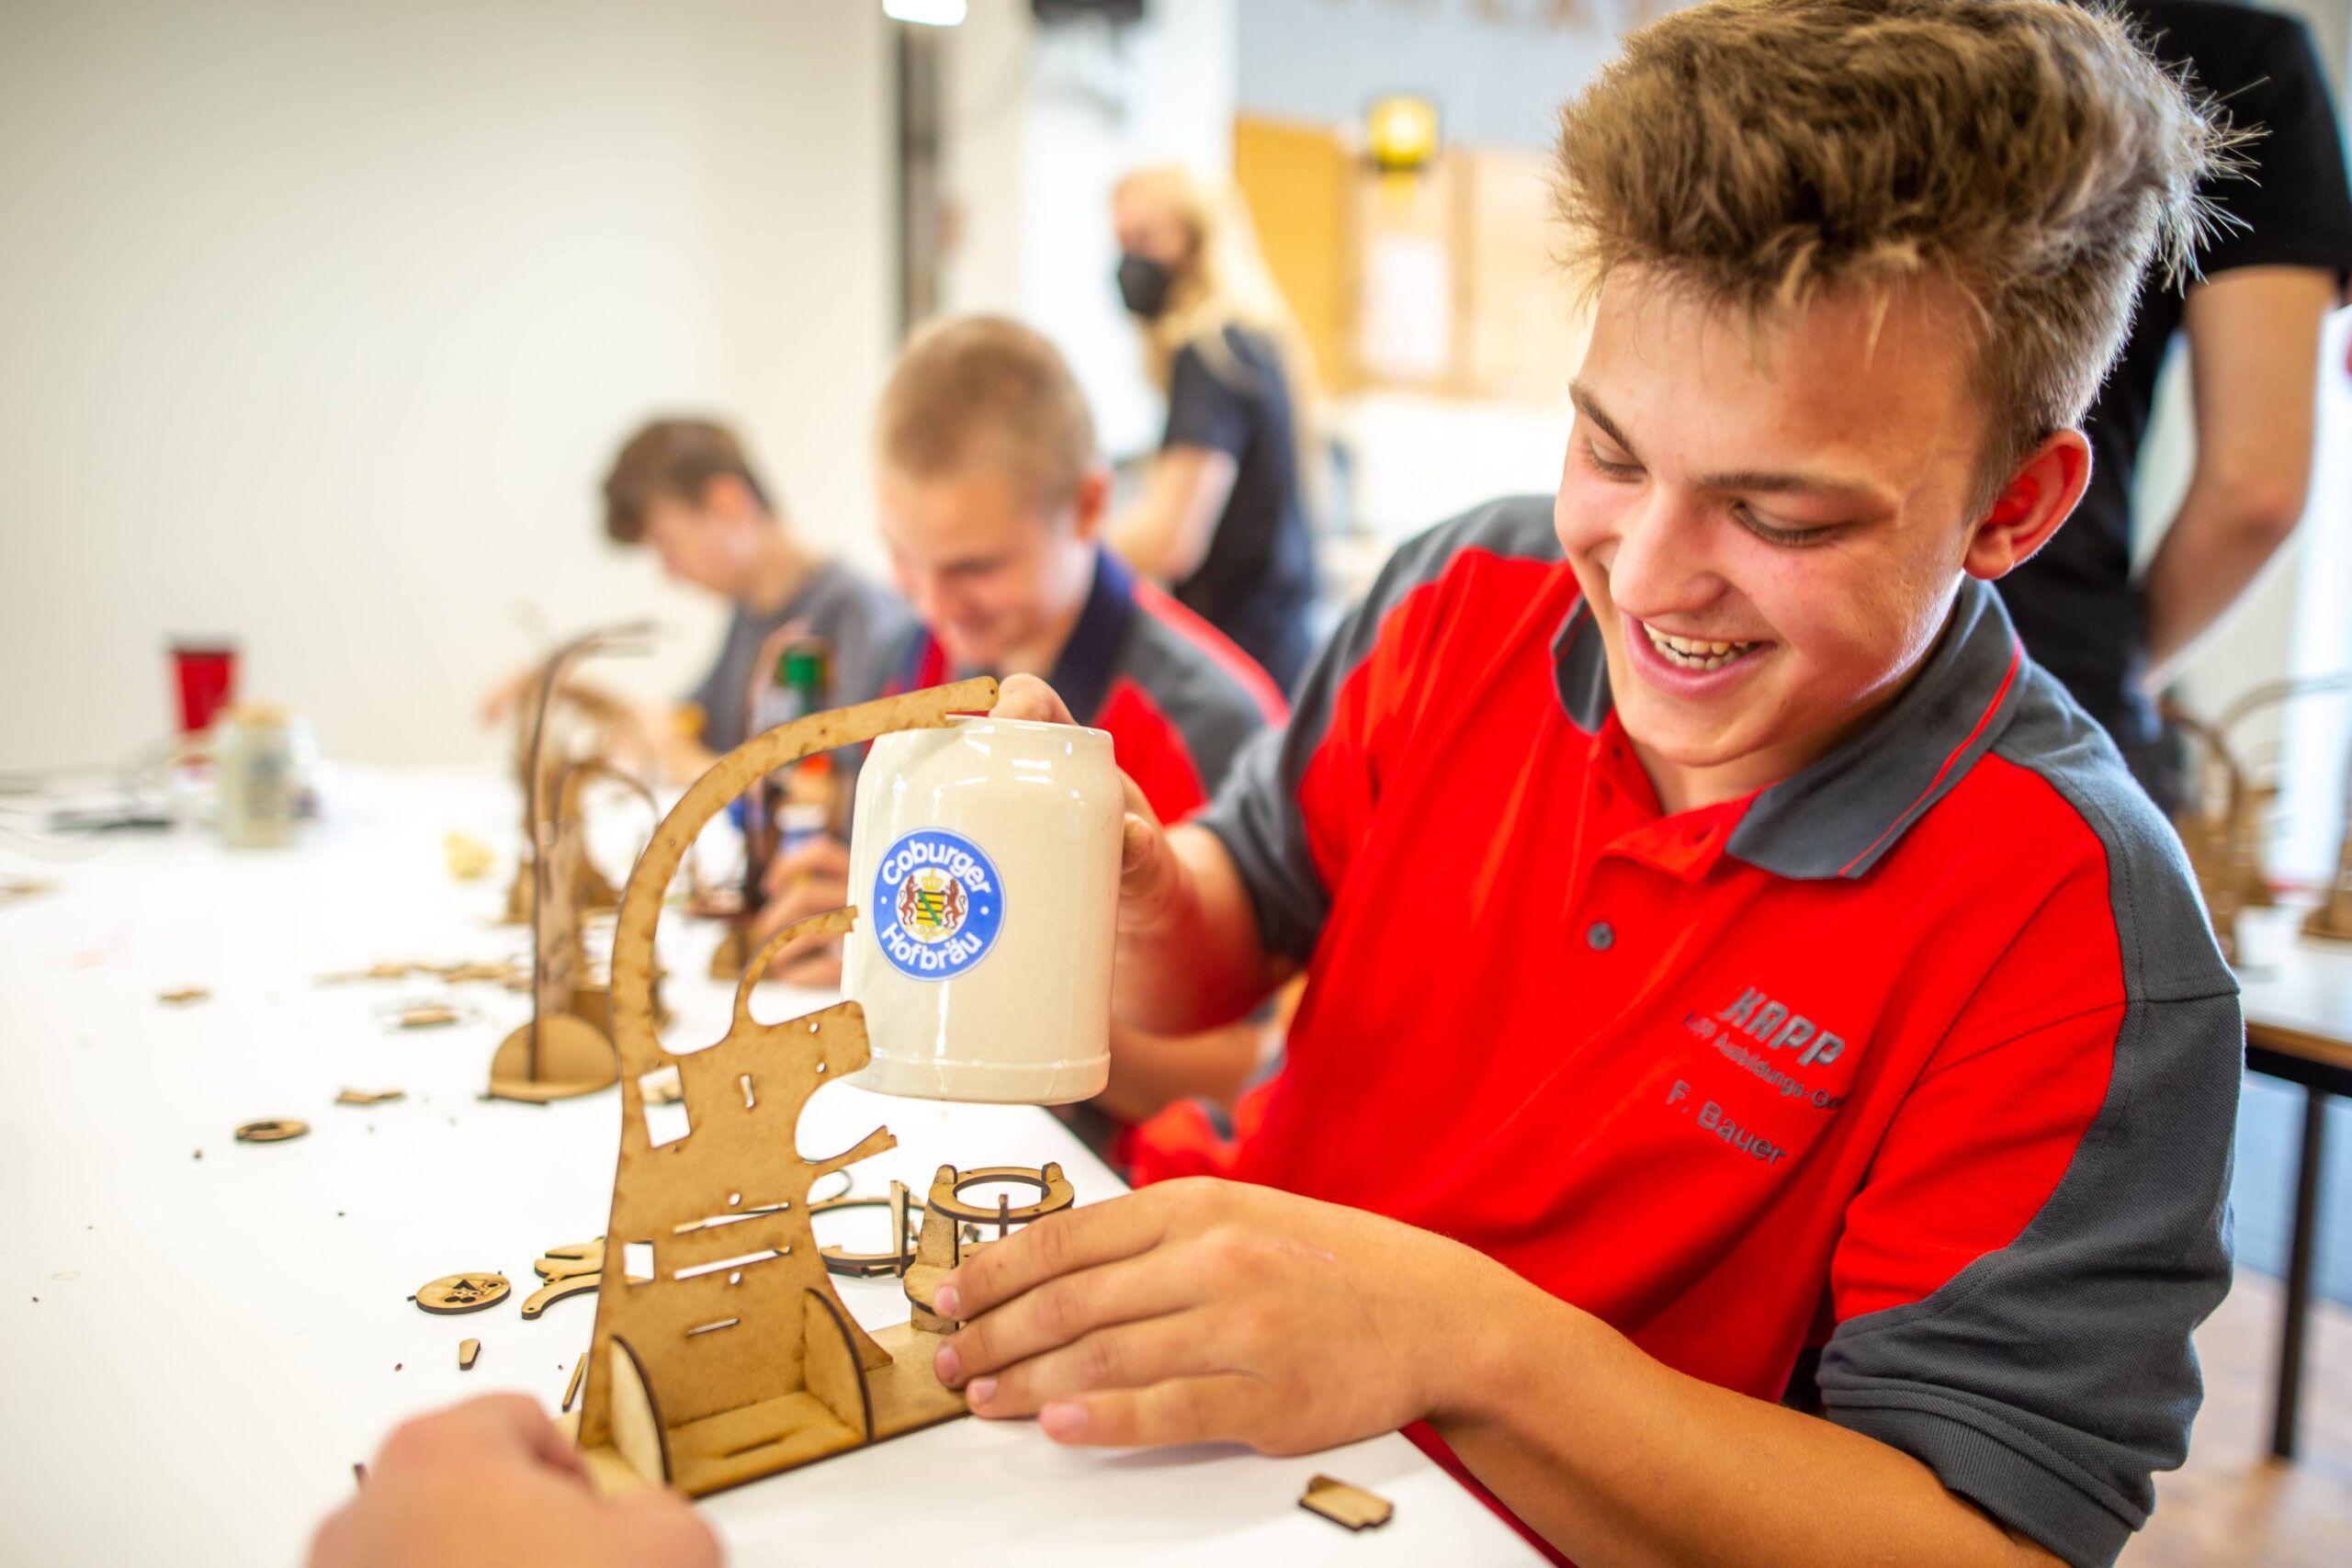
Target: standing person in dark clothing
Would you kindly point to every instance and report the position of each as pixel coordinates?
(1220, 519)
(2271, 268)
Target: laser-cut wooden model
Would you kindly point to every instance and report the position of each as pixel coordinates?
(558, 721)
(2225, 814)
(566, 1048)
(735, 1358)
(2333, 919)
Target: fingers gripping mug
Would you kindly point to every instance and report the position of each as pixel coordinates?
(984, 860)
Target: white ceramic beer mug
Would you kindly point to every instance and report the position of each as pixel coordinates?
(984, 862)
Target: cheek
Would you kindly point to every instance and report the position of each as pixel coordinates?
(1588, 515)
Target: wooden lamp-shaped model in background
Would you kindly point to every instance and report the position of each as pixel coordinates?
(566, 1048)
(2333, 919)
(2223, 819)
(731, 1357)
(556, 722)
(2220, 823)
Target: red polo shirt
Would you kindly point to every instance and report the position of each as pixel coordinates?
(1923, 1059)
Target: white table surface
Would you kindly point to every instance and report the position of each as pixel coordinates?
(198, 1350)
(2288, 980)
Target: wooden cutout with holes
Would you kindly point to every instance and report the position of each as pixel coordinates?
(454, 1295)
(565, 1049)
(467, 1350)
(272, 1130)
(1343, 1503)
(737, 1360)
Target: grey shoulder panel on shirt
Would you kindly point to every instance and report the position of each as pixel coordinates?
(2047, 1381)
(1256, 813)
(1213, 712)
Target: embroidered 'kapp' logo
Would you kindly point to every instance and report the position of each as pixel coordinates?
(1780, 1027)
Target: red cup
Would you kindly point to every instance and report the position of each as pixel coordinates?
(207, 672)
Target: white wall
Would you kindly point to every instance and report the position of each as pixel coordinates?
(321, 322)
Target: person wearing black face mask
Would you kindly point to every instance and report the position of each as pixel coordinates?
(1221, 517)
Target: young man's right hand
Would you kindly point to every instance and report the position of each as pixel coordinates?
(1151, 878)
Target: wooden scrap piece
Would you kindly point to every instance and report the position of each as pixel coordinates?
(184, 995)
(272, 1130)
(454, 1293)
(1344, 1505)
(466, 856)
(15, 888)
(467, 1350)
(572, 1389)
(433, 1017)
(370, 1096)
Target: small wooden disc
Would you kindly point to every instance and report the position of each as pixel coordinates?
(462, 1293)
(273, 1130)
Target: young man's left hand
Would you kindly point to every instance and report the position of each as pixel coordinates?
(1203, 1310)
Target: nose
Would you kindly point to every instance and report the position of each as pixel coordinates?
(1661, 562)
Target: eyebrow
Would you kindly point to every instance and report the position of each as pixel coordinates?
(1758, 482)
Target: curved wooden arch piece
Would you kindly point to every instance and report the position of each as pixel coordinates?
(833, 923)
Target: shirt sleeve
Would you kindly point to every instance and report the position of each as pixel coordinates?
(1300, 796)
(1203, 409)
(2291, 207)
(2040, 1229)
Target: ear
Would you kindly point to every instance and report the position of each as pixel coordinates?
(2037, 497)
(726, 495)
(1091, 505)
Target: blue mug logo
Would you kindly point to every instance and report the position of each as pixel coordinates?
(938, 904)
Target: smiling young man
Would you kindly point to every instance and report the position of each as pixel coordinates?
(1764, 1087)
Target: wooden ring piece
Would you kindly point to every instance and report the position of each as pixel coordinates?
(272, 1130)
(947, 1188)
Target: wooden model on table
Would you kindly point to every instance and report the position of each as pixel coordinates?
(2333, 919)
(735, 1358)
(549, 708)
(566, 1048)
(2225, 814)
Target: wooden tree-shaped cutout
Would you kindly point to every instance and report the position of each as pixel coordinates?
(734, 1358)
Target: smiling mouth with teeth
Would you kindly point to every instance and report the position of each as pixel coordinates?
(1697, 653)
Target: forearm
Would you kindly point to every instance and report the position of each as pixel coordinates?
(1149, 1072)
(1196, 962)
(1618, 1459)
(2224, 534)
